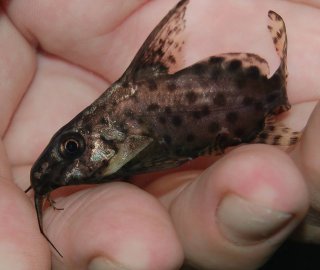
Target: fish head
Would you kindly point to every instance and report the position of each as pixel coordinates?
(77, 155)
(72, 157)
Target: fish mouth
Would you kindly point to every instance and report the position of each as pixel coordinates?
(43, 187)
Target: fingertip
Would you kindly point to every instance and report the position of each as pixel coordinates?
(118, 225)
(265, 175)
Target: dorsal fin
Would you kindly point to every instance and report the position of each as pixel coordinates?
(158, 54)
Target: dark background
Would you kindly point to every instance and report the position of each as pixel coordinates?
(291, 256)
(295, 256)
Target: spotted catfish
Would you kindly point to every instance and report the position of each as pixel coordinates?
(153, 118)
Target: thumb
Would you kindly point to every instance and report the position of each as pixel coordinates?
(236, 213)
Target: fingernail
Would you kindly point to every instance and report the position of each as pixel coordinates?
(244, 222)
(101, 263)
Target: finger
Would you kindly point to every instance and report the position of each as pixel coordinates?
(17, 66)
(240, 210)
(113, 226)
(307, 157)
(57, 93)
(81, 38)
(21, 246)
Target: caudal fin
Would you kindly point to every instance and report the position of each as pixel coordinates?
(278, 32)
(276, 133)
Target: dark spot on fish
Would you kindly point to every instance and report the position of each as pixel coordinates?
(216, 60)
(276, 139)
(215, 74)
(253, 72)
(247, 101)
(199, 69)
(167, 110)
(279, 33)
(234, 65)
(105, 162)
(176, 120)
(140, 120)
(219, 99)
(272, 97)
(152, 107)
(205, 111)
(162, 119)
(167, 139)
(103, 121)
(125, 84)
(159, 52)
(128, 113)
(123, 127)
(241, 81)
(161, 41)
(171, 59)
(191, 97)
(213, 127)
(88, 128)
(171, 86)
(293, 140)
(196, 114)
(271, 128)
(222, 141)
(152, 85)
(232, 117)
(190, 137)
(263, 136)
(275, 40)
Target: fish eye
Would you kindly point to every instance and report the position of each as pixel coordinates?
(72, 145)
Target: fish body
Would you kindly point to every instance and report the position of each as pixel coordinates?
(153, 118)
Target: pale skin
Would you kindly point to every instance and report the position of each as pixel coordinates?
(58, 56)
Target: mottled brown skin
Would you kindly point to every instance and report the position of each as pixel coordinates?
(153, 118)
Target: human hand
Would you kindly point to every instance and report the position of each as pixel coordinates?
(63, 56)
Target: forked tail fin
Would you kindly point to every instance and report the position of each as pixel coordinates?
(276, 133)
(278, 32)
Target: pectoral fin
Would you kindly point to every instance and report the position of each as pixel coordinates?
(130, 148)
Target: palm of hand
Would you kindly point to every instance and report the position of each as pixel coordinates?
(98, 39)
